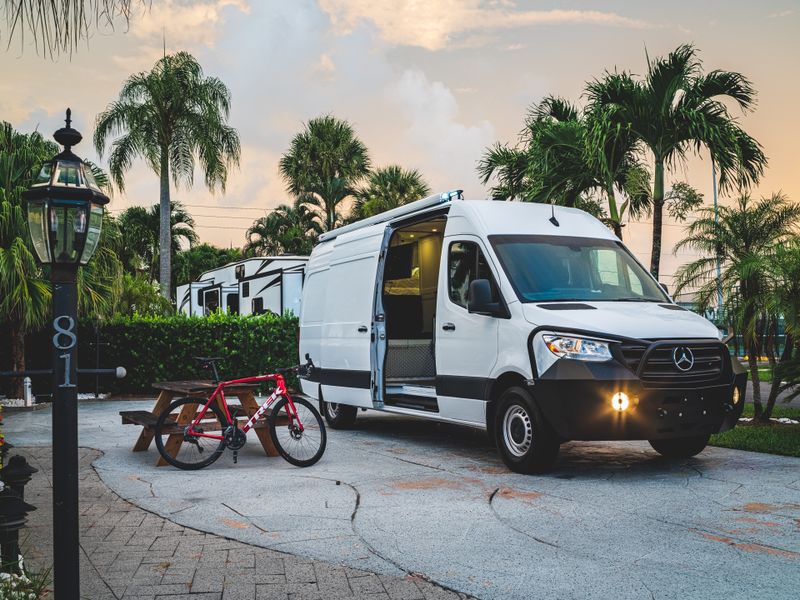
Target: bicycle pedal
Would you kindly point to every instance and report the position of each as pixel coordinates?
(235, 457)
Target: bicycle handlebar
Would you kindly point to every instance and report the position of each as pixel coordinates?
(302, 369)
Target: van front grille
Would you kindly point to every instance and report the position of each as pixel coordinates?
(704, 362)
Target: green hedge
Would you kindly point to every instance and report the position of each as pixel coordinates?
(162, 348)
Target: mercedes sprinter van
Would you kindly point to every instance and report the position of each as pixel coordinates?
(530, 321)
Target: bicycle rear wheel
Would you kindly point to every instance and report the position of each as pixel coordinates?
(301, 448)
(189, 452)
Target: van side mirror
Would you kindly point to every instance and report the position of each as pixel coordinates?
(664, 287)
(479, 299)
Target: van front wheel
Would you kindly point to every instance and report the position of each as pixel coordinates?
(525, 442)
(684, 447)
(339, 416)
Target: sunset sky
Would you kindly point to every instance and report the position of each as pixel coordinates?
(427, 84)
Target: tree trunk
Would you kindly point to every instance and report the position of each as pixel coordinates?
(786, 356)
(614, 215)
(752, 361)
(658, 209)
(165, 233)
(17, 336)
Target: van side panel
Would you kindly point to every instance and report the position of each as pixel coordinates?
(312, 313)
(346, 372)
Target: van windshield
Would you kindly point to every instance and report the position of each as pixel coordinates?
(545, 268)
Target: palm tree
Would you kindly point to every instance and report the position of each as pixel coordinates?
(286, 230)
(323, 165)
(24, 293)
(559, 162)
(675, 110)
(388, 188)
(743, 238)
(171, 117)
(141, 242)
(57, 25)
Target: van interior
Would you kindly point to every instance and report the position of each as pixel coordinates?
(410, 283)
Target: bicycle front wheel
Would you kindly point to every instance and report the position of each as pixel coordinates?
(301, 448)
(185, 451)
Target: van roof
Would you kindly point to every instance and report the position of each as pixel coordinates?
(494, 217)
(510, 218)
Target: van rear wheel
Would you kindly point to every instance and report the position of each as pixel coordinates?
(684, 447)
(339, 416)
(525, 441)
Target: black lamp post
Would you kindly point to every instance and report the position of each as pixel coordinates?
(65, 215)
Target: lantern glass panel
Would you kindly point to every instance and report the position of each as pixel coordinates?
(93, 233)
(43, 178)
(68, 228)
(69, 174)
(37, 223)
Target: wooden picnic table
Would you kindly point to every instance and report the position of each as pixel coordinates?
(201, 389)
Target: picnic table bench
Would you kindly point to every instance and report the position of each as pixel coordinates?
(200, 389)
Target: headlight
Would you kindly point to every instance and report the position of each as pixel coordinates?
(577, 348)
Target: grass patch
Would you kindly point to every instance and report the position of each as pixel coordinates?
(765, 374)
(773, 438)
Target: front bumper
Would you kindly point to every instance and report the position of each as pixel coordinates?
(575, 399)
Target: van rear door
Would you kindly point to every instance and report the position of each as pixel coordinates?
(346, 375)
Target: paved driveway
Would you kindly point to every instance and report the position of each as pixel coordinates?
(399, 495)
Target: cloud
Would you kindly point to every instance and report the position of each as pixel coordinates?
(325, 68)
(183, 22)
(433, 135)
(437, 25)
(781, 14)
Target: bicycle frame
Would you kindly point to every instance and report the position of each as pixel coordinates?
(219, 394)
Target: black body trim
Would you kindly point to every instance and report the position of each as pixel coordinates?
(474, 388)
(566, 306)
(341, 378)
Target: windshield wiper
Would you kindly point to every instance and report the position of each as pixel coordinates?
(632, 299)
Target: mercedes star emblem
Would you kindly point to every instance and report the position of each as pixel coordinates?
(683, 358)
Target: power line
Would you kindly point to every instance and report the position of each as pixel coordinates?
(228, 207)
(251, 219)
(221, 227)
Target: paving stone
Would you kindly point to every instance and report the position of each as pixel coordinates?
(130, 554)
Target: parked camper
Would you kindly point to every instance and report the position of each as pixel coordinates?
(250, 286)
(532, 322)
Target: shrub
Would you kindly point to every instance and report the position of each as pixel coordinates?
(161, 348)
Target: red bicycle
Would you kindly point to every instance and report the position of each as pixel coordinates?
(204, 428)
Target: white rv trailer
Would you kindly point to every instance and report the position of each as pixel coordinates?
(249, 286)
(533, 322)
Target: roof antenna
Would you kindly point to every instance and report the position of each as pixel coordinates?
(552, 218)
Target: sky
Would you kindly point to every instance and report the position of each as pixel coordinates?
(427, 84)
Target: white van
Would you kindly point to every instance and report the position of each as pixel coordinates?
(530, 321)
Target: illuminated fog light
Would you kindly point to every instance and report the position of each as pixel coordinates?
(620, 401)
(736, 395)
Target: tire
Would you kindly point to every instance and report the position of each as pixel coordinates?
(339, 416)
(191, 456)
(308, 448)
(525, 441)
(681, 447)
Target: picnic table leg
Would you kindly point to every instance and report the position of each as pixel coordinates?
(174, 441)
(250, 406)
(147, 433)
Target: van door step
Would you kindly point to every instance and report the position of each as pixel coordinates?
(425, 403)
(409, 389)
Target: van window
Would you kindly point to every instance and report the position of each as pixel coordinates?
(544, 268)
(465, 264)
(245, 289)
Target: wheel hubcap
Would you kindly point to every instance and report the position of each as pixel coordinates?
(333, 410)
(517, 430)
